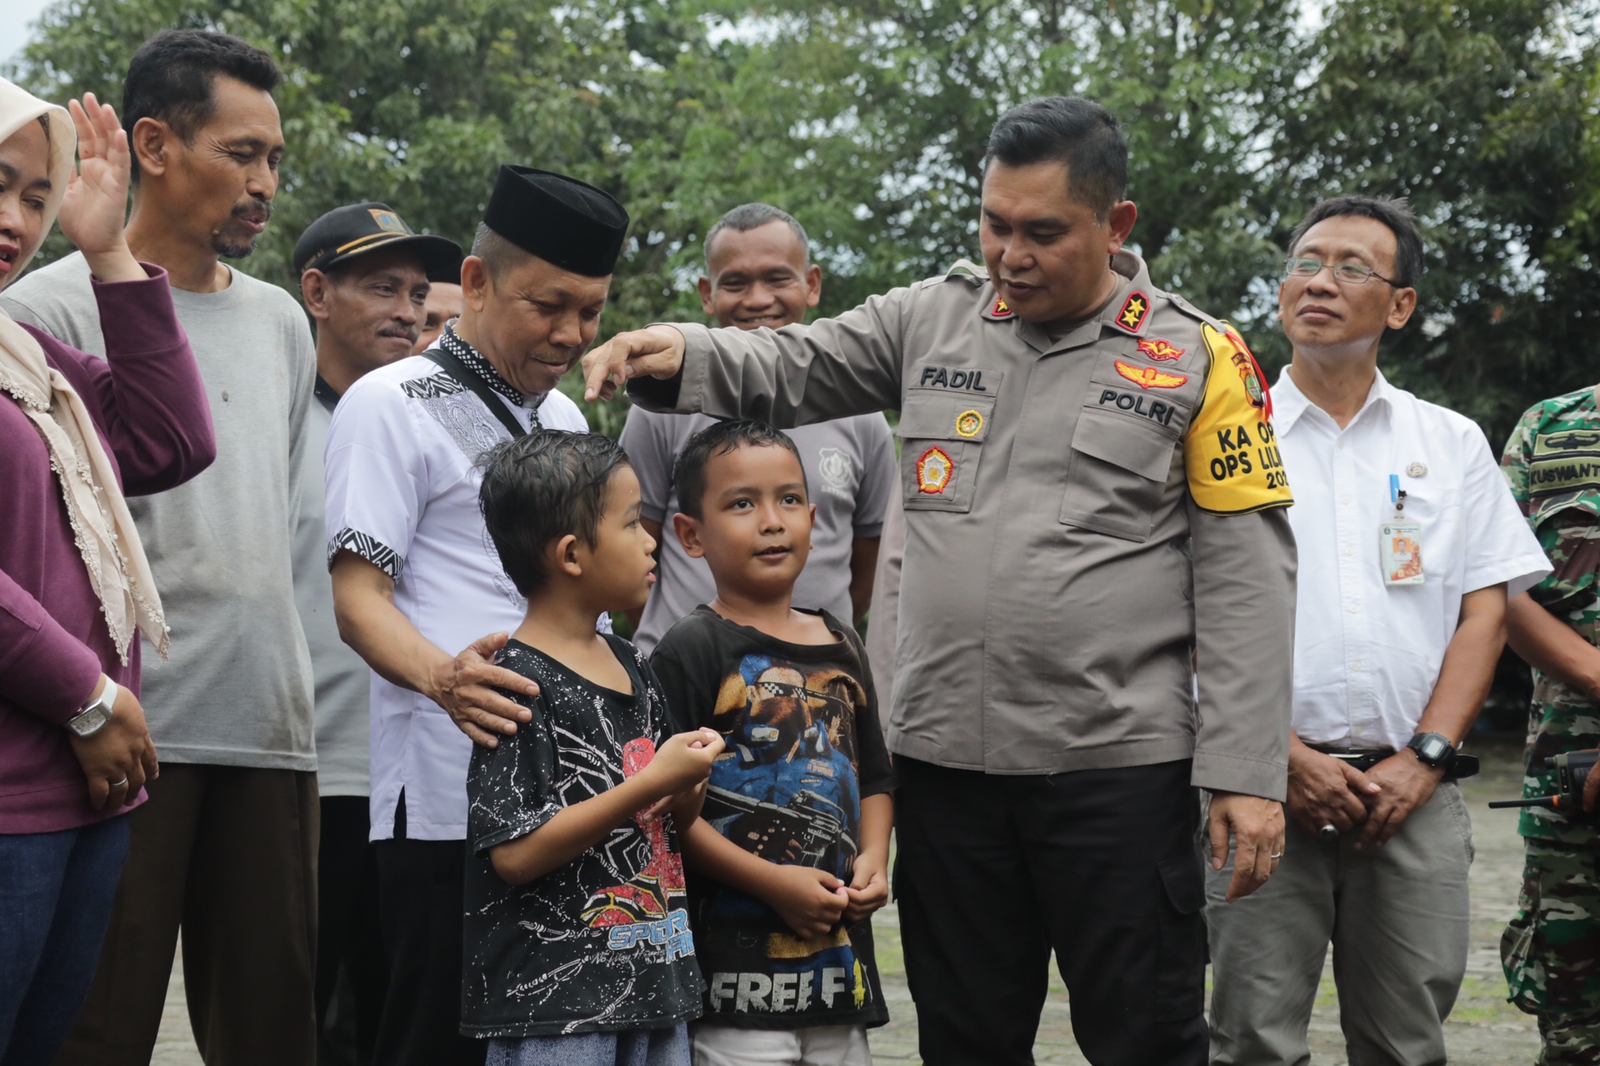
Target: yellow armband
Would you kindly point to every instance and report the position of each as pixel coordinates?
(1230, 450)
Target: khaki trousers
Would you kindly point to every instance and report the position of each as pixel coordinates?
(229, 854)
(1397, 917)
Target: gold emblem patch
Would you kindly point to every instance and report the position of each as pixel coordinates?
(934, 468)
(1148, 377)
(969, 423)
(388, 221)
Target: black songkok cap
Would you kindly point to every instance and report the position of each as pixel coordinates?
(559, 219)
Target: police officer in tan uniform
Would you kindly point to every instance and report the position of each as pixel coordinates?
(1092, 496)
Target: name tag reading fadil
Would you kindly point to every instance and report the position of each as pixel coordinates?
(1400, 551)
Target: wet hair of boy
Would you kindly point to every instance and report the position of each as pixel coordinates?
(540, 487)
(689, 471)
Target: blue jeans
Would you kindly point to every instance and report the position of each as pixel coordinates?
(55, 902)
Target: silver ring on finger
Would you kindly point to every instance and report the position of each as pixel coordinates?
(1276, 857)
(119, 784)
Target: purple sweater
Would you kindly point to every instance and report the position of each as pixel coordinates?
(150, 407)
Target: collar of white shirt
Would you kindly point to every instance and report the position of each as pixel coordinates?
(1289, 404)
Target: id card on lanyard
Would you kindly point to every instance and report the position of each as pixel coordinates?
(1400, 542)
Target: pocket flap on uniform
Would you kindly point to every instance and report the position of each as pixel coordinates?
(939, 414)
(1184, 883)
(1122, 440)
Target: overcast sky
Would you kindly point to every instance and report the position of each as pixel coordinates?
(15, 15)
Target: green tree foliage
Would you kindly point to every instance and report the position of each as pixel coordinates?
(867, 120)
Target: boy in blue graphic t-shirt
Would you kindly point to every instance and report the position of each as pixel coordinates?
(789, 859)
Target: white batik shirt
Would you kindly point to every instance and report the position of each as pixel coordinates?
(402, 493)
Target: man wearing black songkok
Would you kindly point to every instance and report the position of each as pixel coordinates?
(416, 577)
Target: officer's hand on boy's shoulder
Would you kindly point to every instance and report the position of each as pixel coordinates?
(810, 901)
(869, 888)
(468, 688)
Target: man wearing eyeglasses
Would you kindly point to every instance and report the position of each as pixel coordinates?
(1409, 544)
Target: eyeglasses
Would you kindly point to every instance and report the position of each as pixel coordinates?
(1349, 273)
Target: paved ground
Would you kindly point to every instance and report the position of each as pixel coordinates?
(1483, 1031)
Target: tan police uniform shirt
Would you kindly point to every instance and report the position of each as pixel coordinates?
(1082, 514)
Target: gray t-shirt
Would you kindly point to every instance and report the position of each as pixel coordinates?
(237, 688)
(850, 469)
(342, 678)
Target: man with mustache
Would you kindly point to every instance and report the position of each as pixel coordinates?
(226, 847)
(416, 576)
(1092, 506)
(364, 279)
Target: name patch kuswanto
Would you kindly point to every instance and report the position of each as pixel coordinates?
(671, 932)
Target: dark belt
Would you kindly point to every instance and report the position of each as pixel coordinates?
(1364, 759)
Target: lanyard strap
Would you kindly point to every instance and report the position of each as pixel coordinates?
(480, 388)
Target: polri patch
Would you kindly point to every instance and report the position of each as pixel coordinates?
(1230, 450)
(934, 470)
(969, 423)
(1135, 309)
(1148, 377)
(1159, 350)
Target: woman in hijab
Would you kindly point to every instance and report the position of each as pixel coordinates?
(76, 433)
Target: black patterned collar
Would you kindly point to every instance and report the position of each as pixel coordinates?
(450, 342)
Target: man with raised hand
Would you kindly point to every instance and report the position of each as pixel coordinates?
(1091, 497)
(416, 575)
(759, 276)
(226, 848)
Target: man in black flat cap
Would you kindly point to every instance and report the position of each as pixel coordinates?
(416, 577)
(364, 277)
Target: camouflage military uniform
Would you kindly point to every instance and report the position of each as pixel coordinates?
(1550, 948)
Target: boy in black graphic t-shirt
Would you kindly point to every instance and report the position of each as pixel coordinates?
(788, 860)
(578, 946)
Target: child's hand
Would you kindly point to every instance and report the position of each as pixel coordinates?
(810, 901)
(683, 806)
(869, 888)
(683, 762)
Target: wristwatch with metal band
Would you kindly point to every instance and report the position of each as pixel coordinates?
(96, 713)
(1433, 749)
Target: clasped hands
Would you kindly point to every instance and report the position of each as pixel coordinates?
(1324, 790)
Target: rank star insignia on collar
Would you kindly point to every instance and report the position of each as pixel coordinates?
(934, 468)
(1159, 350)
(1000, 308)
(1148, 377)
(1134, 310)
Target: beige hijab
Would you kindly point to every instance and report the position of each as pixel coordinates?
(101, 525)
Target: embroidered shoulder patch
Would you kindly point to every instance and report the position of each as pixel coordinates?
(1134, 311)
(1230, 450)
(934, 468)
(1148, 377)
(1159, 350)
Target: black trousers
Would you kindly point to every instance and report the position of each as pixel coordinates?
(1100, 865)
(351, 973)
(421, 911)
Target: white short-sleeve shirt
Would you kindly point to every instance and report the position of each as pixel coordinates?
(1367, 654)
(402, 493)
